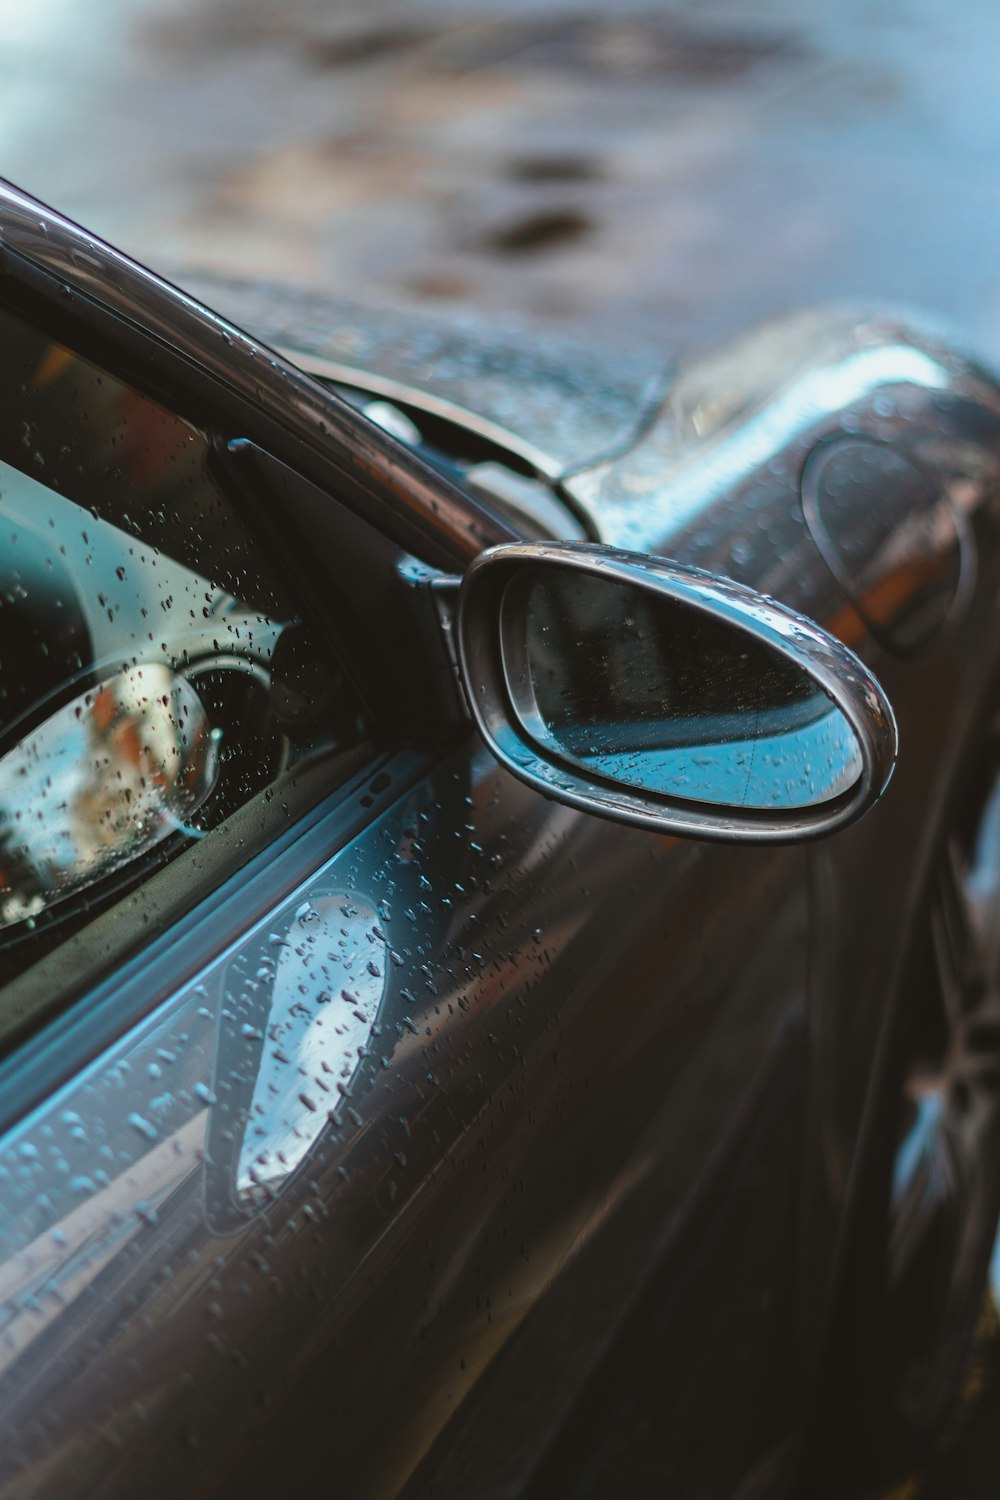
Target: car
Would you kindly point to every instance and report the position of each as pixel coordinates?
(486, 1011)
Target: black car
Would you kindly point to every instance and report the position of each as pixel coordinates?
(461, 1037)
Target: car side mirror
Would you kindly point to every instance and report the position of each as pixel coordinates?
(664, 696)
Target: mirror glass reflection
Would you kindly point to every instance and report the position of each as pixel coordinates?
(99, 782)
(657, 695)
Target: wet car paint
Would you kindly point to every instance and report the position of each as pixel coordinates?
(586, 404)
(518, 1094)
(588, 1041)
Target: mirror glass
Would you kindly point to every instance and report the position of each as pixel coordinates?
(641, 689)
(105, 778)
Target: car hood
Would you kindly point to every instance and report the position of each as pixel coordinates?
(555, 402)
(656, 455)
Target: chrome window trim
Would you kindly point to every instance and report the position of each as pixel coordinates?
(328, 433)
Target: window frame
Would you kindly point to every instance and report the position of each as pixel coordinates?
(114, 311)
(291, 453)
(399, 510)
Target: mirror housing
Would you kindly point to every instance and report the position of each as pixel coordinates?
(667, 697)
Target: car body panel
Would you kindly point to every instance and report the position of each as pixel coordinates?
(554, 401)
(531, 1091)
(611, 1085)
(717, 482)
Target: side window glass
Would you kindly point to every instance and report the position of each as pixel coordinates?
(154, 673)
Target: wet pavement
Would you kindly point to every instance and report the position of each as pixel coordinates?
(642, 172)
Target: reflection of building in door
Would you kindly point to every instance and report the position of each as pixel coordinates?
(327, 976)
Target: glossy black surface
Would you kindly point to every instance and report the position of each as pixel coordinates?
(569, 1191)
(905, 557)
(85, 285)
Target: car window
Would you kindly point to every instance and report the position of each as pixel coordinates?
(155, 675)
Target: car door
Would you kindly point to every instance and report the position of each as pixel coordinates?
(354, 1091)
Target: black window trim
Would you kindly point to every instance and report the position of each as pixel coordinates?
(115, 311)
(390, 529)
(109, 310)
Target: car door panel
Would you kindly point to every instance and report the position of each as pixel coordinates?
(548, 1108)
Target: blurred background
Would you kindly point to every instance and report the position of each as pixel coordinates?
(663, 173)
